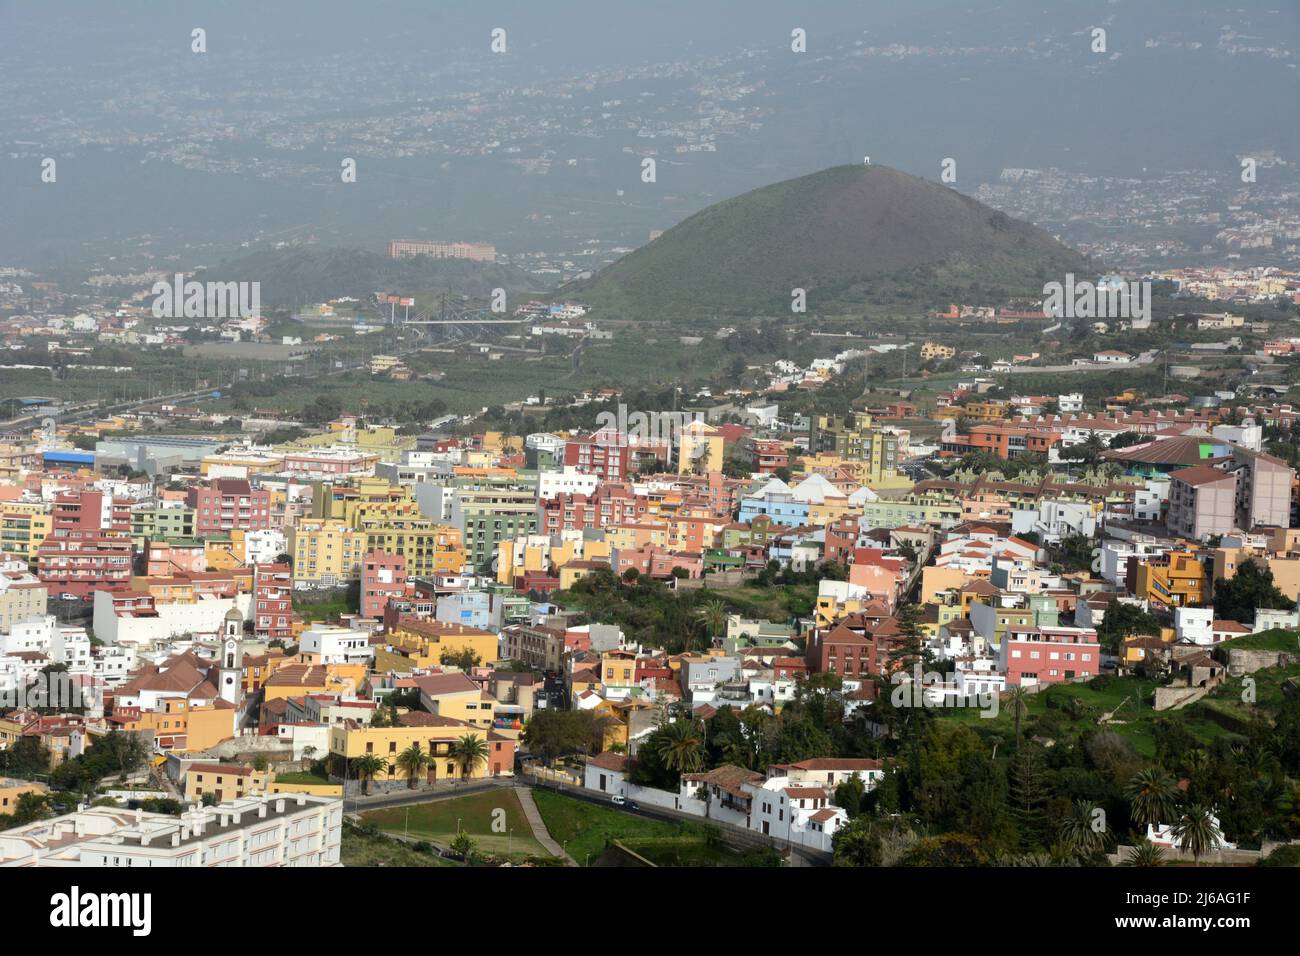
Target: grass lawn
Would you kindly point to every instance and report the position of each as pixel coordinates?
(587, 826)
(777, 603)
(1130, 698)
(437, 820)
(361, 849)
(301, 776)
(1274, 640)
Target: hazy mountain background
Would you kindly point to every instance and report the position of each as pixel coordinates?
(168, 158)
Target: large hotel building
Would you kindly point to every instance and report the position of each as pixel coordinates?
(475, 251)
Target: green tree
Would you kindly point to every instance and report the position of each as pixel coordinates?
(365, 767)
(1018, 701)
(714, 616)
(1144, 854)
(413, 761)
(465, 659)
(1196, 831)
(681, 745)
(1028, 798)
(1082, 830)
(469, 751)
(1252, 587)
(1153, 796)
(857, 844)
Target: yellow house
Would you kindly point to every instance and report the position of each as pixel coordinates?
(223, 781)
(1286, 570)
(700, 449)
(454, 695)
(11, 729)
(616, 724)
(325, 551)
(830, 609)
(575, 571)
(225, 554)
(297, 680)
(23, 526)
(584, 680)
(935, 581)
(177, 724)
(435, 735)
(634, 537)
(829, 510)
(11, 790)
(618, 668)
(424, 643)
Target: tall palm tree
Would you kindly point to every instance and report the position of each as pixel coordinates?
(1197, 831)
(365, 767)
(714, 615)
(413, 761)
(1145, 853)
(469, 751)
(1154, 796)
(1079, 831)
(682, 746)
(1018, 701)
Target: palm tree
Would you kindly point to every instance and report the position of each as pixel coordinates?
(1145, 853)
(1197, 831)
(1154, 796)
(469, 751)
(413, 760)
(682, 746)
(714, 615)
(1079, 830)
(1018, 701)
(365, 767)
(1195, 761)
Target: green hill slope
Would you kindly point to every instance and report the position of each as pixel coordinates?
(851, 236)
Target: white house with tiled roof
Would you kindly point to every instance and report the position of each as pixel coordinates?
(802, 815)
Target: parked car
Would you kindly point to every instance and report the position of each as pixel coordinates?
(618, 799)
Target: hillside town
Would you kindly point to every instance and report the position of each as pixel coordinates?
(721, 616)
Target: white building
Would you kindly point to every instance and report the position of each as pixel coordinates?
(332, 644)
(263, 547)
(1194, 624)
(170, 619)
(569, 481)
(1162, 835)
(276, 830)
(1112, 357)
(802, 815)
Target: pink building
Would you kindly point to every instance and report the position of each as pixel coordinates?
(165, 559)
(657, 562)
(229, 503)
(85, 512)
(383, 576)
(1048, 655)
(273, 602)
